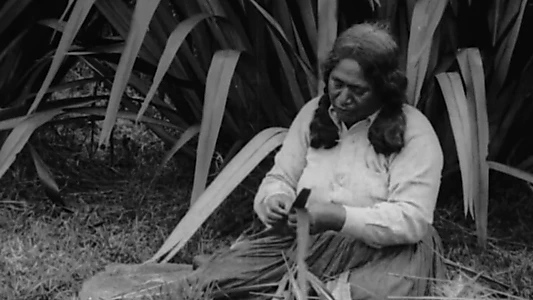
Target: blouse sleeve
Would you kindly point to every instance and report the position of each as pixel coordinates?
(290, 160)
(414, 182)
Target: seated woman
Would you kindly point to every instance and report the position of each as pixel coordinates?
(373, 164)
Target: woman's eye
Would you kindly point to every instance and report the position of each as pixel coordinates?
(359, 91)
(337, 83)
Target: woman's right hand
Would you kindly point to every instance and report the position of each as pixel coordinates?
(275, 209)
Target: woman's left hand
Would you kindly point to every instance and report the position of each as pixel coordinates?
(322, 217)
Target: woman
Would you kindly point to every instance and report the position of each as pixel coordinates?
(373, 165)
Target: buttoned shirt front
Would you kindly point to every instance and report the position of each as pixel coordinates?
(388, 199)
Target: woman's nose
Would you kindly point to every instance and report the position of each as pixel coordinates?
(345, 96)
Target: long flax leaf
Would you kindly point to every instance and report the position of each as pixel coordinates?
(216, 93)
(494, 19)
(79, 14)
(119, 15)
(29, 83)
(8, 68)
(515, 95)
(237, 36)
(388, 10)
(283, 38)
(63, 15)
(127, 115)
(471, 115)
(302, 248)
(142, 87)
(327, 33)
(471, 66)
(20, 135)
(65, 85)
(302, 52)
(236, 170)
(264, 91)
(54, 24)
(455, 99)
(15, 42)
(10, 11)
(288, 71)
(11, 122)
(173, 44)
(282, 14)
(508, 14)
(426, 17)
(410, 6)
(163, 23)
(115, 48)
(520, 174)
(234, 38)
(213, 6)
(310, 23)
(198, 58)
(296, 288)
(186, 136)
(12, 117)
(505, 51)
(139, 25)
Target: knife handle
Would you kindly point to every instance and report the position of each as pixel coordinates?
(301, 199)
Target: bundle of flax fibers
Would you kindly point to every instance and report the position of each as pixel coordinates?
(275, 263)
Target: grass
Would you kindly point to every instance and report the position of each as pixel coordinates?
(507, 263)
(122, 215)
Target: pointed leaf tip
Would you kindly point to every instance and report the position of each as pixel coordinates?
(174, 42)
(144, 10)
(217, 87)
(79, 14)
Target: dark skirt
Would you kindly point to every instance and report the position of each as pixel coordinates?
(254, 267)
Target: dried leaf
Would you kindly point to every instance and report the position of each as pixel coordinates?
(46, 177)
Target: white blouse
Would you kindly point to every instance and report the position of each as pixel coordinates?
(388, 200)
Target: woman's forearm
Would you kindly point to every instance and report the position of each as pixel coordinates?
(327, 216)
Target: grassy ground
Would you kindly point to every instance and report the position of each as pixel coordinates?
(123, 215)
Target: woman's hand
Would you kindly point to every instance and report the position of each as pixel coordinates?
(276, 209)
(322, 217)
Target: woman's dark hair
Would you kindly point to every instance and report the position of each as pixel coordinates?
(374, 48)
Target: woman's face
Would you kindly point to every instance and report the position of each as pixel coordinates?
(351, 95)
